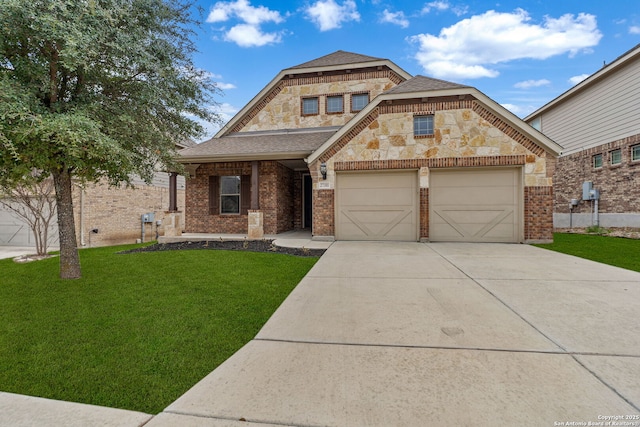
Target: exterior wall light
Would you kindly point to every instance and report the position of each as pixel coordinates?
(323, 170)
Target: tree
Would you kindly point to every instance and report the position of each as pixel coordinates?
(96, 89)
(34, 201)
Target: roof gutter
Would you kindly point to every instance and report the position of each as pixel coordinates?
(285, 155)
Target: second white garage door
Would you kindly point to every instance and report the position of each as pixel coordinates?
(377, 206)
(475, 205)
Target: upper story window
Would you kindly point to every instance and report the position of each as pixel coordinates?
(616, 156)
(423, 125)
(635, 152)
(229, 194)
(597, 161)
(359, 101)
(335, 104)
(310, 106)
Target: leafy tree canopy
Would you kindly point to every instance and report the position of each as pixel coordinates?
(101, 88)
(93, 89)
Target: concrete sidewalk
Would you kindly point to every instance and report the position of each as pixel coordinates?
(396, 334)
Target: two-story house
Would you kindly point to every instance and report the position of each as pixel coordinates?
(354, 148)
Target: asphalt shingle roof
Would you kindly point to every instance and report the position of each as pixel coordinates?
(339, 57)
(423, 84)
(261, 143)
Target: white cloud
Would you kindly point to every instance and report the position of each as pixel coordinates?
(396, 18)
(532, 83)
(519, 110)
(225, 86)
(242, 9)
(248, 33)
(468, 48)
(577, 79)
(329, 15)
(635, 29)
(435, 5)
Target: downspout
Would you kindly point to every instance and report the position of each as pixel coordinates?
(82, 243)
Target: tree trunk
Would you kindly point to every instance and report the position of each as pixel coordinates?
(69, 258)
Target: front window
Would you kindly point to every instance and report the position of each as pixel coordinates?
(229, 194)
(597, 161)
(635, 152)
(309, 106)
(423, 125)
(616, 156)
(335, 104)
(359, 101)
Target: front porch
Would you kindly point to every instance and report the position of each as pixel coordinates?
(288, 239)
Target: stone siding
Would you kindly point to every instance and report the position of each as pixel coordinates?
(618, 184)
(282, 108)
(463, 137)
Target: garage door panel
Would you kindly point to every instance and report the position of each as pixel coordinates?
(377, 206)
(479, 205)
(489, 197)
(372, 198)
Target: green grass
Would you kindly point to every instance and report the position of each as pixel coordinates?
(616, 251)
(138, 330)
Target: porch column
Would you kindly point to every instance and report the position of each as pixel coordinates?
(255, 186)
(173, 192)
(255, 218)
(172, 220)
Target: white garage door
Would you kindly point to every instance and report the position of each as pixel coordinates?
(475, 205)
(377, 206)
(15, 232)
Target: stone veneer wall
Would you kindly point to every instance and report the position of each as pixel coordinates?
(275, 198)
(281, 109)
(116, 212)
(619, 185)
(466, 134)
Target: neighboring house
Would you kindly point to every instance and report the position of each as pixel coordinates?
(107, 215)
(597, 122)
(355, 148)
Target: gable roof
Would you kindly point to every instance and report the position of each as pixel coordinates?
(339, 57)
(422, 84)
(283, 144)
(607, 70)
(337, 61)
(426, 87)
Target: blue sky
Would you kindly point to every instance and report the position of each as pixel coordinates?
(520, 53)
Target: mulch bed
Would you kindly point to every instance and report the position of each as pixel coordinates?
(230, 245)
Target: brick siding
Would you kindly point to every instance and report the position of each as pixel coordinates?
(323, 213)
(276, 199)
(115, 212)
(618, 184)
(538, 214)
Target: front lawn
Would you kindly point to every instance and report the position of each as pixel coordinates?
(616, 251)
(138, 330)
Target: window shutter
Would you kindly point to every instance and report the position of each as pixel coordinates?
(214, 195)
(245, 194)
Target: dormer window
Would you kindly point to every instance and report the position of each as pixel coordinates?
(335, 104)
(310, 106)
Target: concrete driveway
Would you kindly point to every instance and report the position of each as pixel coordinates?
(399, 334)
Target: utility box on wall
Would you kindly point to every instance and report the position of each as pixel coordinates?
(148, 217)
(588, 192)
